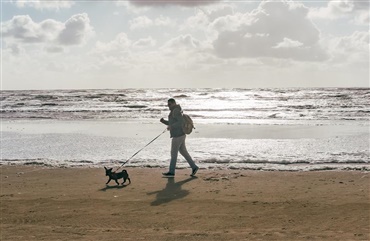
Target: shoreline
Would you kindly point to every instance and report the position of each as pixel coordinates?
(39, 203)
(38, 164)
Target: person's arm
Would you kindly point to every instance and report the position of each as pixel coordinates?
(164, 121)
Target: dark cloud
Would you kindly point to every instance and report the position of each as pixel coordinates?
(361, 5)
(276, 29)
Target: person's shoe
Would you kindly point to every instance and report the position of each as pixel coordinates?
(168, 174)
(194, 171)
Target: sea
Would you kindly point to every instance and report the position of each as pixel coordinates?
(285, 129)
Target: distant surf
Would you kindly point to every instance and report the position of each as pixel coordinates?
(234, 105)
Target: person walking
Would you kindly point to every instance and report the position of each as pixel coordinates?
(174, 125)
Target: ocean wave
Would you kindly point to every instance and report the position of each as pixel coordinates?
(261, 165)
(233, 104)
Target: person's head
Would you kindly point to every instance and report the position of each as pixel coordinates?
(171, 102)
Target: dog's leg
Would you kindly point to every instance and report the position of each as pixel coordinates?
(124, 180)
(129, 181)
(116, 181)
(108, 180)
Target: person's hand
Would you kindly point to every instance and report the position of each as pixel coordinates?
(168, 128)
(161, 120)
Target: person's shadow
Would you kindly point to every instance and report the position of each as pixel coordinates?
(171, 192)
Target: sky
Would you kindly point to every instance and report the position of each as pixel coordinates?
(48, 44)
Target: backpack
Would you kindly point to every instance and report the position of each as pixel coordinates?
(188, 126)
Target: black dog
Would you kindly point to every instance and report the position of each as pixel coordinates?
(116, 176)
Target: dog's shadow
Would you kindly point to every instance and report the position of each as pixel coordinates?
(172, 191)
(107, 187)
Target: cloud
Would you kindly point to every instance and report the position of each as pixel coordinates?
(54, 49)
(132, 8)
(363, 18)
(205, 16)
(15, 49)
(358, 10)
(22, 29)
(358, 41)
(164, 21)
(288, 43)
(122, 46)
(181, 43)
(140, 22)
(350, 49)
(42, 4)
(275, 29)
(145, 22)
(220, 10)
(144, 43)
(76, 30)
(122, 53)
(186, 3)
(119, 45)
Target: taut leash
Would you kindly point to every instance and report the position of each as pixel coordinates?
(141, 150)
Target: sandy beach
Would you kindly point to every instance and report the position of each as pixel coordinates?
(40, 203)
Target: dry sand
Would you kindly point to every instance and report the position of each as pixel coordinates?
(75, 204)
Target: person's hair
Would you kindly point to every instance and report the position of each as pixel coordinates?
(173, 101)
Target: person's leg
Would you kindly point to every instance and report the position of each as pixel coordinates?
(175, 145)
(184, 152)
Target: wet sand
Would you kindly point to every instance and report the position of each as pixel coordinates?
(40, 203)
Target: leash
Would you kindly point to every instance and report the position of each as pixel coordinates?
(141, 149)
